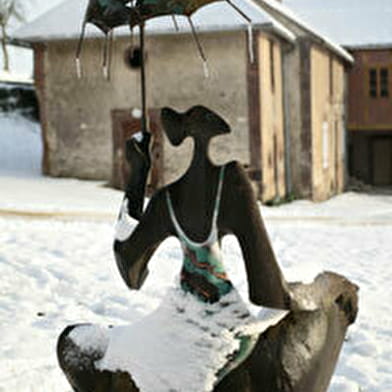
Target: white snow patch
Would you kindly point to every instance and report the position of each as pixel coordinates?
(21, 146)
(90, 338)
(184, 343)
(125, 223)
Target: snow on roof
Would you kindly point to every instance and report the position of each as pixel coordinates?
(306, 26)
(64, 22)
(352, 23)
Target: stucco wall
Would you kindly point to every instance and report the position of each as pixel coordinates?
(78, 123)
(272, 123)
(327, 108)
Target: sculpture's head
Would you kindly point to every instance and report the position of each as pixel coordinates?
(198, 122)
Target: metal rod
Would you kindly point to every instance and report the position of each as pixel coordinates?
(196, 38)
(242, 13)
(200, 48)
(143, 79)
(175, 22)
(79, 50)
(111, 39)
(105, 57)
(251, 44)
(132, 39)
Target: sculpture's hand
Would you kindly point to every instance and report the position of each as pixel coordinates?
(138, 157)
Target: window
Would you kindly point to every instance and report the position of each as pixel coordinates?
(331, 85)
(373, 82)
(379, 82)
(272, 64)
(384, 82)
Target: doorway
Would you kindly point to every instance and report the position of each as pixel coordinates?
(125, 124)
(381, 148)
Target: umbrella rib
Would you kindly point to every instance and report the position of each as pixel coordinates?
(250, 30)
(175, 22)
(242, 13)
(111, 39)
(199, 47)
(105, 57)
(79, 50)
(143, 79)
(132, 38)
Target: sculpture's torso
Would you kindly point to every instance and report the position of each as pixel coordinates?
(203, 273)
(202, 329)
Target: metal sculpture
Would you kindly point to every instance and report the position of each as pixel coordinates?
(205, 204)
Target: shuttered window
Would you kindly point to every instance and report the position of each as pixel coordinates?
(379, 82)
(373, 82)
(384, 82)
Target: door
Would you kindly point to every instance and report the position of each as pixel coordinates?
(382, 160)
(125, 123)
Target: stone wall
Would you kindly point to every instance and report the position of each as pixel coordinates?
(77, 121)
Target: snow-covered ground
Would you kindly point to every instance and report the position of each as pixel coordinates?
(57, 267)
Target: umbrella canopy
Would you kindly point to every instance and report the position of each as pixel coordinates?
(107, 14)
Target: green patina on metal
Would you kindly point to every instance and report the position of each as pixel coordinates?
(247, 344)
(203, 262)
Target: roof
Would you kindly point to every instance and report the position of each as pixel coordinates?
(303, 24)
(64, 22)
(351, 23)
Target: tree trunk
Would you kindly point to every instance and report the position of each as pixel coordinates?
(6, 65)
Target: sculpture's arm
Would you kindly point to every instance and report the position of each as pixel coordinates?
(241, 216)
(133, 254)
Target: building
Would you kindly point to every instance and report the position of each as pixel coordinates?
(315, 78)
(85, 122)
(365, 30)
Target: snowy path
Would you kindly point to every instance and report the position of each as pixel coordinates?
(55, 273)
(57, 267)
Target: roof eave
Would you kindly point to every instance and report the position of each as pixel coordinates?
(336, 48)
(378, 46)
(274, 27)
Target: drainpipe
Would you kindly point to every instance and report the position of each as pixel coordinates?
(345, 157)
(287, 129)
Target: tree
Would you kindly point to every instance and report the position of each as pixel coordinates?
(9, 10)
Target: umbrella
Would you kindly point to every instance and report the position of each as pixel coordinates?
(109, 14)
